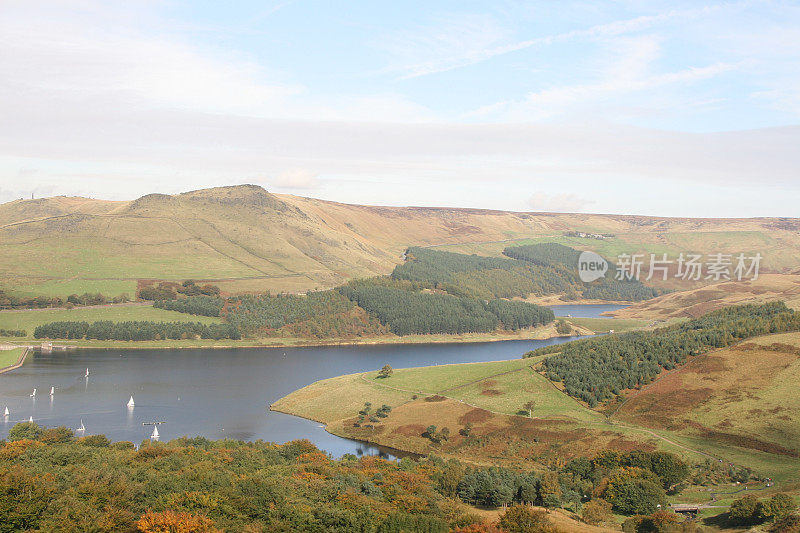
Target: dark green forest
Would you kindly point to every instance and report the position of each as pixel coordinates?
(265, 312)
(483, 277)
(408, 312)
(538, 269)
(598, 369)
(606, 288)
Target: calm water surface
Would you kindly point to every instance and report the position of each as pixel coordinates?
(212, 393)
(585, 311)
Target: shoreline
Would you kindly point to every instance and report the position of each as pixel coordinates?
(26, 351)
(541, 334)
(397, 452)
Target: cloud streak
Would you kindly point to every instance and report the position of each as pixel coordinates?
(456, 46)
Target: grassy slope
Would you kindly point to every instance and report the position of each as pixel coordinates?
(252, 240)
(65, 287)
(745, 395)
(693, 303)
(491, 395)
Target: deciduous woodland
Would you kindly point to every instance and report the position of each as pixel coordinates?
(50, 480)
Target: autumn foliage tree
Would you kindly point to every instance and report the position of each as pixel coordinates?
(525, 519)
(175, 522)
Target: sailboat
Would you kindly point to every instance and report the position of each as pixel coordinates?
(33, 394)
(82, 428)
(52, 391)
(6, 413)
(87, 373)
(154, 436)
(30, 419)
(131, 402)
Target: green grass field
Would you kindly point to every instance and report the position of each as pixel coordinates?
(512, 384)
(28, 320)
(9, 357)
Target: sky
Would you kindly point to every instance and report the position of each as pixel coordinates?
(680, 108)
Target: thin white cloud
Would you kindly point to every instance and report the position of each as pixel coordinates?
(558, 202)
(295, 178)
(630, 69)
(450, 46)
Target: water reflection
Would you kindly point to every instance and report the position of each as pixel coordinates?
(585, 311)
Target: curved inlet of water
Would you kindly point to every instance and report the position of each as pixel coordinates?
(219, 393)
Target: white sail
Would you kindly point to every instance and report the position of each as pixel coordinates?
(6, 413)
(82, 428)
(52, 391)
(30, 419)
(87, 372)
(155, 433)
(33, 394)
(130, 402)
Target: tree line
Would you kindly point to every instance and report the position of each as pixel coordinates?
(193, 305)
(9, 301)
(169, 290)
(598, 369)
(135, 330)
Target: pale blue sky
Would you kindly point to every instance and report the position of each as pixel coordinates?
(664, 108)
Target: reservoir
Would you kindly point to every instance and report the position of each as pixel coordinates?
(214, 393)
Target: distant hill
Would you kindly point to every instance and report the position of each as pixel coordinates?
(247, 239)
(696, 302)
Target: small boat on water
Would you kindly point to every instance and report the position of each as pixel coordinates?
(52, 391)
(6, 413)
(154, 436)
(33, 394)
(131, 403)
(30, 419)
(82, 427)
(87, 373)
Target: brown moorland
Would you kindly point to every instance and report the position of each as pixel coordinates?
(744, 395)
(247, 239)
